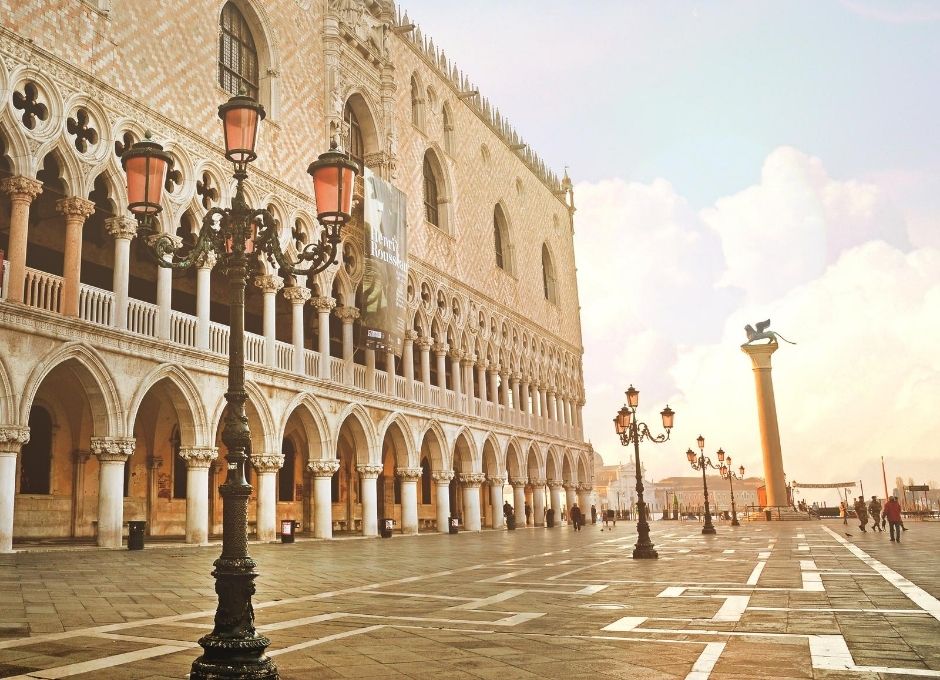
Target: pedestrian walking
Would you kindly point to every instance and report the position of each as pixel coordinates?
(861, 512)
(843, 512)
(593, 514)
(892, 511)
(575, 515)
(528, 513)
(874, 509)
(507, 511)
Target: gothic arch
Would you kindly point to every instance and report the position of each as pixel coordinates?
(364, 437)
(314, 424)
(256, 408)
(186, 399)
(515, 464)
(444, 201)
(502, 239)
(361, 105)
(438, 446)
(100, 388)
(464, 442)
(397, 426)
(492, 453)
(268, 49)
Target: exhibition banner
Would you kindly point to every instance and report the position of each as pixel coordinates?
(382, 314)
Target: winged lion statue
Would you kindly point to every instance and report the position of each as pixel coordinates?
(759, 332)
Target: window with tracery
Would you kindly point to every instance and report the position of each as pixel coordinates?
(431, 213)
(548, 275)
(355, 145)
(500, 239)
(415, 102)
(238, 57)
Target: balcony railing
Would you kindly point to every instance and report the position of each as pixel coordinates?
(43, 291)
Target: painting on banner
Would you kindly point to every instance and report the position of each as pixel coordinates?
(385, 276)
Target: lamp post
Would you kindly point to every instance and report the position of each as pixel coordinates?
(631, 431)
(239, 236)
(700, 462)
(728, 473)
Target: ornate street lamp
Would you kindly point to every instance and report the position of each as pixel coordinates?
(239, 236)
(700, 462)
(630, 430)
(728, 473)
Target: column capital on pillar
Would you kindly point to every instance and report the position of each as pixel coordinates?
(408, 474)
(570, 486)
(455, 354)
(760, 354)
(269, 283)
(538, 483)
(75, 206)
(21, 188)
(555, 483)
(442, 477)
(207, 260)
(411, 334)
(322, 303)
(117, 449)
(424, 343)
(369, 471)
(297, 294)
(496, 481)
(268, 462)
(493, 368)
(440, 348)
(323, 468)
(585, 488)
(516, 377)
(199, 456)
(12, 438)
(347, 314)
(468, 359)
(472, 480)
(518, 482)
(121, 227)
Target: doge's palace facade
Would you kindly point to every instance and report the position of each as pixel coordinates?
(112, 372)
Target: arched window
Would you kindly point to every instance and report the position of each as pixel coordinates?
(417, 112)
(238, 57)
(285, 477)
(548, 275)
(501, 242)
(431, 183)
(448, 129)
(355, 145)
(36, 454)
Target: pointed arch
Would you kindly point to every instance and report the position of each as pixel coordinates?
(549, 280)
(502, 240)
(185, 398)
(493, 460)
(515, 464)
(364, 138)
(434, 436)
(256, 55)
(465, 451)
(396, 426)
(314, 423)
(438, 190)
(363, 433)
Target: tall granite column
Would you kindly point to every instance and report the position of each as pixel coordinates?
(12, 438)
(767, 417)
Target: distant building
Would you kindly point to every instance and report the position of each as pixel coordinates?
(688, 490)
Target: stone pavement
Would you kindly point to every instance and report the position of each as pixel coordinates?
(779, 600)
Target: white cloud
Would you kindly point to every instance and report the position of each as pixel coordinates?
(825, 259)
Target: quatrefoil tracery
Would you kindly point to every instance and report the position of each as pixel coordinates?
(28, 102)
(80, 127)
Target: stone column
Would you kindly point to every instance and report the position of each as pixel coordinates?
(571, 495)
(123, 229)
(408, 362)
(22, 191)
(516, 394)
(370, 369)
(76, 210)
(455, 356)
(552, 405)
(112, 454)
(555, 487)
(442, 479)
(494, 384)
(526, 394)
(164, 287)
(390, 372)
(409, 499)
(198, 462)
(269, 284)
(347, 315)
(440, 356)
(424, 345)
(767, 418)
(323, 471)
(471, 481)
(204, 266)
(584, 498)
(12, 438)
(518, 499)
(467, 364)
(481, 379)
(543, 401)
(297, 296)
(538, 501)
(370, 509)
(496, 501)
(267, 466)
(323, 305)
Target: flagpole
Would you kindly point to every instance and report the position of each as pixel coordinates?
(884, 477)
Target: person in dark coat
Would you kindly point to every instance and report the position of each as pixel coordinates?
(892, 512)
(593, 515)
(576, 517)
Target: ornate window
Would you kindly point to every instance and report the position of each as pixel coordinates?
(355, 145)
(448, 129)
(548, 275)
(431, 213)
(238, 57)
(417, 103)
(501, 241)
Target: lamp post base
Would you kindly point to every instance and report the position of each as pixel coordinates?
(710, 530)
(644, 552)
(735, 522)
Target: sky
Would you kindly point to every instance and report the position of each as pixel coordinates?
(750, 160)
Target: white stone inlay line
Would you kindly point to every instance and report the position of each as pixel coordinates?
(326, 638)
(672, 591)
(99, 664)
(626, 623)
(728, 552)
(831, 653)
(706, 661)
(812, 579)
(916, 594)
(763, 555)
(755, 575)
(731, 610)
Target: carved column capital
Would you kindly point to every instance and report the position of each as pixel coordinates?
(269, 283)
(472, 480)
(12, 438)
(570, 486)
(442, 477)
(409, 474)
(516, 377)
(199, 456)
(369, 471)
(496, 481)
(538, 483)
(117, 449)
(121, 227)
(440, 348)
(21, 188)
(297, 294)
(322, 303)
(207, 260)
(411, 334)
(268, 462)
(347, 314)
(424, 343)
(555, 484)
(75, 206)
(455, 354)
(518, 482)
(468, 359)
(323, 468)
